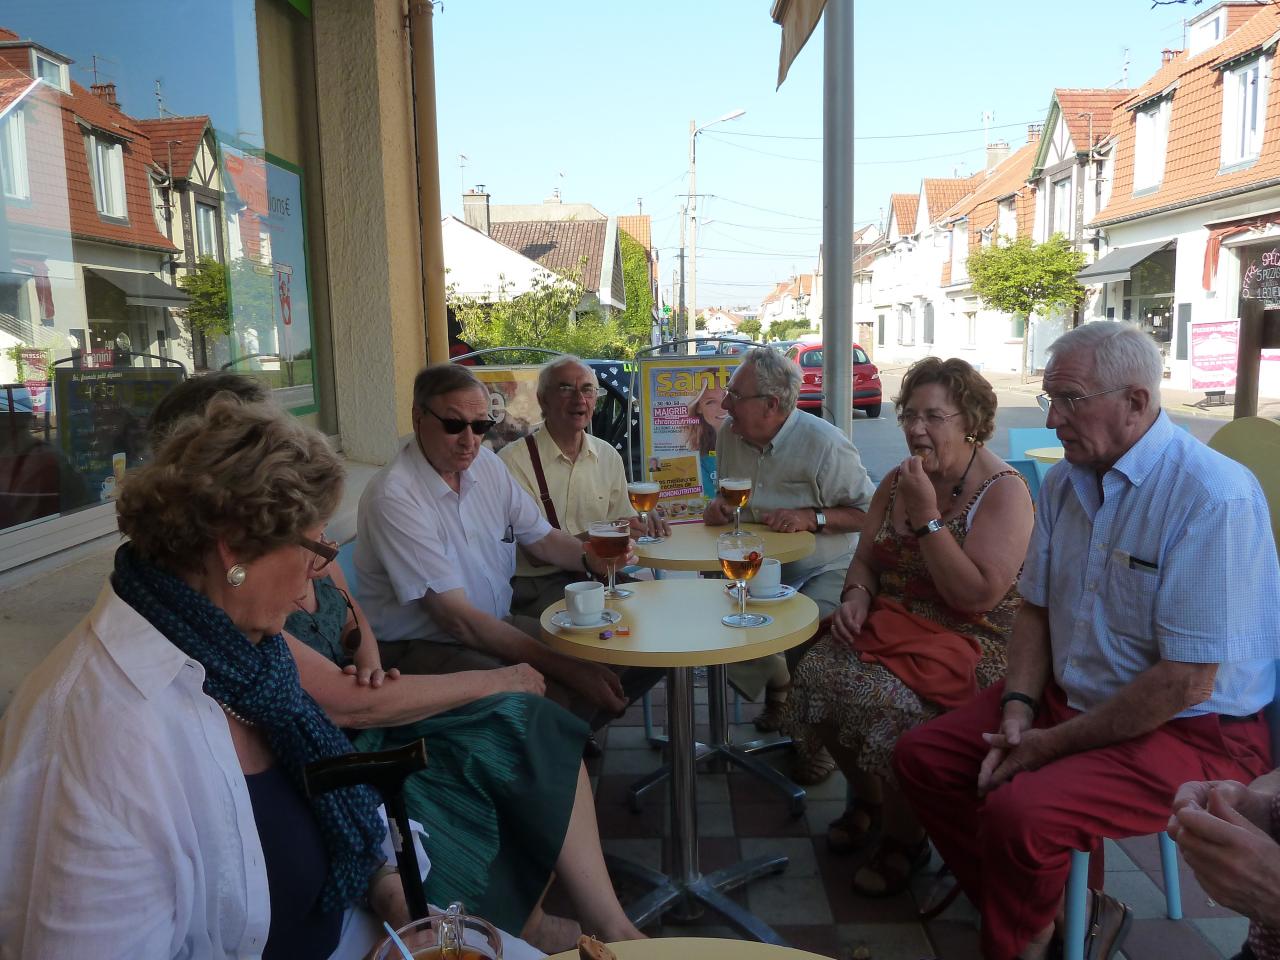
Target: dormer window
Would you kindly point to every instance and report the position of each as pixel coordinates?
(1203, 34)
(106, 170)
(14, 182)
(51, 71)
(1244, 105)
(1152, 138)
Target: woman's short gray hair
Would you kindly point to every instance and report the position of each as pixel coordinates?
(776, 376)
(1123, 355)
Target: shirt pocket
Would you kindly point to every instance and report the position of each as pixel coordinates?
(1130, 600)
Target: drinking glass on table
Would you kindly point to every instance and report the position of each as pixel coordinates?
(609, 540)
(452, 935)
(644, 497)
(740, 557)
(736, 491)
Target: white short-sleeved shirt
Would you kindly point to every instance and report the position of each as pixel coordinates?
(417, 535)
(127, 826)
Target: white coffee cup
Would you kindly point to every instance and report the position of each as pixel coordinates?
(585, 602)
(768, 580)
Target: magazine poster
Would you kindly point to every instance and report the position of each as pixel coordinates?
(513, 402)
(682, 407)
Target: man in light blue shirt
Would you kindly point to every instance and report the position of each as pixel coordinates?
(1140, 659)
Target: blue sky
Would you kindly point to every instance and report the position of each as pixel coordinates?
(596, 98)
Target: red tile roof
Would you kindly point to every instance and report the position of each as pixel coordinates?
(942, 194)
(182, 134)
(1077, 105)
(11, 88)
(905, 206)
(1193, 153)
(1238, 13)
(639, 228)
(58, 163)
(572, 248)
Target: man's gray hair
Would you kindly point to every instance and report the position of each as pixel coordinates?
(1123, 355)
(776, 376)
(548, 372)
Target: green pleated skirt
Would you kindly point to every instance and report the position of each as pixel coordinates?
(495, 799)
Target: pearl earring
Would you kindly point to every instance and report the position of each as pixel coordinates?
(236, 575)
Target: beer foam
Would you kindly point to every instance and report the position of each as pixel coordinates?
(643, 486)
(735, 484)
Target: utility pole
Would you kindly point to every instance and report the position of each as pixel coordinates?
(682, 319)
(693, 224)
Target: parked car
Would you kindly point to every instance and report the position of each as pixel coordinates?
(866, 379)
(735, 348)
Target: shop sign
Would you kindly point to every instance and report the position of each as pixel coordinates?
(1214, 348)
(681, 408)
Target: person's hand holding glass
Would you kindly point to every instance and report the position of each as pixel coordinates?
(740, 557)
(609, 541)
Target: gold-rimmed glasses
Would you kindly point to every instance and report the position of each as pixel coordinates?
(325, 550)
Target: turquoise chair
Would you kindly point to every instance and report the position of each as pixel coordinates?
(1022, 439)
(1029, 473)
(347, 561)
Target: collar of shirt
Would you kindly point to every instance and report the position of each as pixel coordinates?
(144, 656)
(548, 449)
(1134, 465)
(431, 477)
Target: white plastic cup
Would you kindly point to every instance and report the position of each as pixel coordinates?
(768, 580)
(585, 602)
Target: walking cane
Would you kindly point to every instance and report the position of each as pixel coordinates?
(385, 771)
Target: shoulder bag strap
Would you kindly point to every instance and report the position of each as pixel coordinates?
(541, 477)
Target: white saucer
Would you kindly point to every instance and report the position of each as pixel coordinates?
(784, 593)
(560, 619)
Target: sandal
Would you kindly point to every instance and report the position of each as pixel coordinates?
(769, 720)
(891, 867)
(853, 829)
(810, 767)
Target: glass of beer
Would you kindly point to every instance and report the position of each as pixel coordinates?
(453, 935)
(644, 497)
(609, 541)
(740, 557)
(736, 491)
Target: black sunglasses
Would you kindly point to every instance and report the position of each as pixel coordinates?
(453, 426)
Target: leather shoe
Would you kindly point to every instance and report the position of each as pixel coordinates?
(1109, 921)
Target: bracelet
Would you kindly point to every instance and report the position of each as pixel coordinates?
(586, 567)
(1015, 697)
(857, 586)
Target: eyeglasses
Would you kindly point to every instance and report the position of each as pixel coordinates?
(588, 391)
(737, 397)
(351, 642)
(453, 426)
(1068, 404)
(325, 550)
(909, 418)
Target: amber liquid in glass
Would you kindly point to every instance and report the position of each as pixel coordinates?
(736, 492)
(610, 546)
(741, 568)
(644, 496)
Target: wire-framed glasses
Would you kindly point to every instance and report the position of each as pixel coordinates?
(909, 418)
(325, 552)
(1068, 404)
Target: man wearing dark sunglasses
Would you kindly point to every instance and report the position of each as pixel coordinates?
(436, 550)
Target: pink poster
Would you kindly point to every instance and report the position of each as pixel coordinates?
(1214, 348)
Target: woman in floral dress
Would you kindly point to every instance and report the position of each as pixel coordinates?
(928, 604)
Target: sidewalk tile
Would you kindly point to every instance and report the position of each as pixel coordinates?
(885, 941)
(799, 851)
(1224, 933)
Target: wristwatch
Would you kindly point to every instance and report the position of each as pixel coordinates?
(820, 519)
(933, 526)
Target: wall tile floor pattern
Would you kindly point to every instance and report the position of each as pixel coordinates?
(812, 904)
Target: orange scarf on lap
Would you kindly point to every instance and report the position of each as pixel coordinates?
(934, 663)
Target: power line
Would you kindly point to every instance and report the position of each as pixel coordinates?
(752, 206)
(882, 136)
(856, 163)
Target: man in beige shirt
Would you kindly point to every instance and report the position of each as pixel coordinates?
(584, 475)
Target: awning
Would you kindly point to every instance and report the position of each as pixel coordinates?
(1117, 264)
(797, 19)
(142, 289)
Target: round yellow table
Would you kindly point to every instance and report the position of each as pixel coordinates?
(698, 948)
(692, 546)
(676, 624)
(1046, 454)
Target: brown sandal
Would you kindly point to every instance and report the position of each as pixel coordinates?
(853, 829)
(769, 720)
(810, 767)
(891, 867)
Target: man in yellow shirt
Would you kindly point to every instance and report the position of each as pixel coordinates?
(584, 477)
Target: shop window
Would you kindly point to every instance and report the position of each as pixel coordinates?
(106, 172)
(13, 157)
(1148, 297)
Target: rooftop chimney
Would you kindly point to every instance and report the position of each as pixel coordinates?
(1166, 55)
(106, 92)
(475, 209)
(1033, 132)
(555, 196)
(997, 153)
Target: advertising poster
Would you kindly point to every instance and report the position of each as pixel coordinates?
(513, 402)
(681, 407)
(1214, 349)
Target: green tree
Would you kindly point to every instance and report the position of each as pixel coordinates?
(207, 313)
(637, 319)
(750, 328)
(1023, 278)
(788, 329)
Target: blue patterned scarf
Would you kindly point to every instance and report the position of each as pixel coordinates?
(260, 682)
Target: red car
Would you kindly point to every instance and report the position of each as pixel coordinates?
(866, 379)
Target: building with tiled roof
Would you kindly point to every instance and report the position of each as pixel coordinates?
(902, 215)
(790, 299)
(1193, 214)
(87, 257)
(640, 228)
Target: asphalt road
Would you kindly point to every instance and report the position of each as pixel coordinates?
(882, 448)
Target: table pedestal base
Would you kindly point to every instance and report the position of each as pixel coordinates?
(687, 898)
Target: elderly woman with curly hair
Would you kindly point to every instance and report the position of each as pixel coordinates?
(150, 768)
(927, 607)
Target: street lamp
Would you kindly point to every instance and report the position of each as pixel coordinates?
(692, 206)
